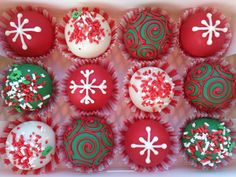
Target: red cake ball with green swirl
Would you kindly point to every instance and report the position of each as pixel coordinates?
(148, 34)
(207, 142)
(88, 144)
(210, 86)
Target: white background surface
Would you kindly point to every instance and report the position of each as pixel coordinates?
(116, 8)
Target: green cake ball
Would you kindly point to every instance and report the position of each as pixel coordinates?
(207, 141)
(27, 87)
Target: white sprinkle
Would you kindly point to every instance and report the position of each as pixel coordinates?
(46, 97)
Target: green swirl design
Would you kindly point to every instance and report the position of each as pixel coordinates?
(88, 142)
(148, 36)
(209, 87)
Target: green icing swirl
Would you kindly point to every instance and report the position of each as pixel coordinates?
(148, 36)
(209, 87)
(89, 142)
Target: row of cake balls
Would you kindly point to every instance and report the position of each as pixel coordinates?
(151, 89)
(145, 34)
(87, 143)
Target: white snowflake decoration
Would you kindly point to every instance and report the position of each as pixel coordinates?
(87, 87)
(21, 31)
(148, 145)
(210, 29)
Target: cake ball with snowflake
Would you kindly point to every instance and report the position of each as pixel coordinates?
(152, 88)
(28, 88)
(91, 87)
(204, 33)
(148, 144)
(28, 33)
(86, 34)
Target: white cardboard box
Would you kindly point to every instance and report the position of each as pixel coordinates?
(116, 9)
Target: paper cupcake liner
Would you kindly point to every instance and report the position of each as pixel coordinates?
(48, 167)
(61, 42)
(4, 22)
(46, 108)
(225, 64)
(226, 45)
(177, 88)
(166, 163)
(63, 156)
(111, 105)
(133, 13)
(228, 124)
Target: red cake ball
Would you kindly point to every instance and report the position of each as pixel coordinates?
(30, 34)
(147, 34)
(148, 144)
(210, 86)
(90, 87)
(203, 33)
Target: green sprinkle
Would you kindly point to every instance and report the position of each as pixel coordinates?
(76, 14)
(231, 146)
(15, 75)
(221, 127)
(18, 109)
(47, 150)
(26, 82)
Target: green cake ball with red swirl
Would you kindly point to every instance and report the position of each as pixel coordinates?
(209, 86)
(89, 143)
(208, 142)
(27, 87)
(148, 35)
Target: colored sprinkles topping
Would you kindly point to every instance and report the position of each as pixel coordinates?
(153, 86)
(27, 149)
(207, 141)
(23, 91)
(87, 27)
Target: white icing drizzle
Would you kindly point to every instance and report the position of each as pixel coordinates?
(148, 145)
(21, 31)
(210, 29)
(87, 87)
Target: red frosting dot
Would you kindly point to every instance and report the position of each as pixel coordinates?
(38, 36)
(89, 87)
(194, 39)
(136, 138)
